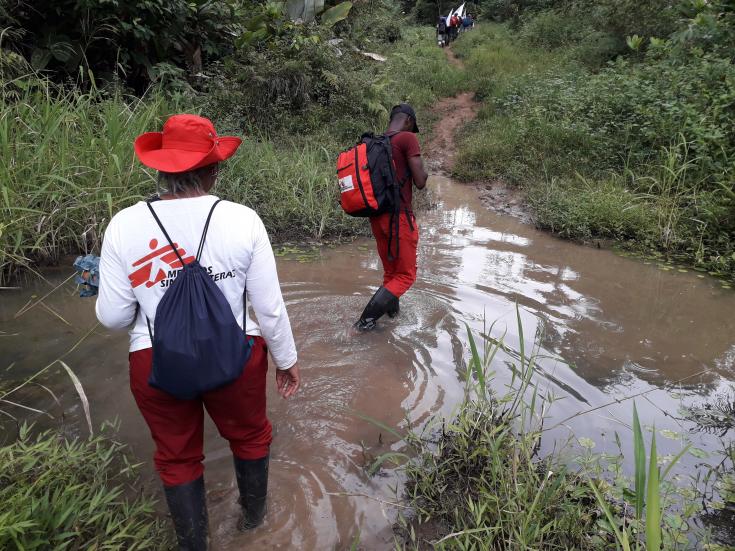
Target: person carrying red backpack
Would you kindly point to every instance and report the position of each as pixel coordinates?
(399, 261)
(454, 26)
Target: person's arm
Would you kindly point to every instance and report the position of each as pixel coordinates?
(116, 305)
(264, 294)
(416, 164)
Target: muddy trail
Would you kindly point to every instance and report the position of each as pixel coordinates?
(452, 113)
(608, 327)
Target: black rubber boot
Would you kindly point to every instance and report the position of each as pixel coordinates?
(378, 305)
(252, 481)
(394, 308)
(188, 506)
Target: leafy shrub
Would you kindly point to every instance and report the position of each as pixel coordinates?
(596, 28)
(596, 48)
(374, 24)
(552, 29)
(428, 11)
(709, 27)
(73, 494)
(621, 18)
(650, 137)
(126, 40)
(302, 92)
(304, 81)
(628, 111)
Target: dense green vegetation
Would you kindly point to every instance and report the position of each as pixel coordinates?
(60, 493)
(479, 480)
(616, 118)
(297, 98)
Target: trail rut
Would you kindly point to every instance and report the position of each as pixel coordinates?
(453, 113)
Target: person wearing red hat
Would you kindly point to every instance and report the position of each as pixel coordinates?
(138, 264)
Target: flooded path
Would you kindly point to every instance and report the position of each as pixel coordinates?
(624, 327)
(609, 327)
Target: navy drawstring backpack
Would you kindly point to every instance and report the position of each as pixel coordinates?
(197, 343)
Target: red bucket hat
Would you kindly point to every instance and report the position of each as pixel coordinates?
(187, 142)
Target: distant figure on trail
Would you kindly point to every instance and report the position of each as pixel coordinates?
(441, 31)
(179, 271)
(468, 22)
(397, 251)
(454, 27)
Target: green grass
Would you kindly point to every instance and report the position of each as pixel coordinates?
(61, 493)
(477, 479)
(66, 167)
(68, 164)
(598, 154)
(291, 188)
(418, 71)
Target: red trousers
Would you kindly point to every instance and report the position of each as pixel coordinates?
(177, 426)
(400, 272)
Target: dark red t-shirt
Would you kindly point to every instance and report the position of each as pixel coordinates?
(405, 145)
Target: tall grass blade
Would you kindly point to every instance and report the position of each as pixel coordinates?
(476, 363)
(82, 395)
(29, 408)
(380, 424)
(674, 461)
(653, 498)
(620, 540)
(639, 453)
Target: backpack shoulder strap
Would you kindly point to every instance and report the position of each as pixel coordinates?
(206, 229)
(165, 233)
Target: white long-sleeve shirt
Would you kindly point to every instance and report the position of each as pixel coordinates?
(137, 265)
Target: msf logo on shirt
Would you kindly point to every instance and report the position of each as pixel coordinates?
(155, 266)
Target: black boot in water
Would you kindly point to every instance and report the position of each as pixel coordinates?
(379, 304)
(394, 308)
(252, 481)
(188, 506)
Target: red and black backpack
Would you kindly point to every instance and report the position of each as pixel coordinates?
(368, 183)
(367, 177)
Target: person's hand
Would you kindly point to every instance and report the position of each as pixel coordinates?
(288, 381)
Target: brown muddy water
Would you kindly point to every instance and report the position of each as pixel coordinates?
(609, 327)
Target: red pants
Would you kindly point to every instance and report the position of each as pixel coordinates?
(177, 426)
(400, 273)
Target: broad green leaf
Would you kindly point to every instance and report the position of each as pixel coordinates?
(699, 453)
(335, 14)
